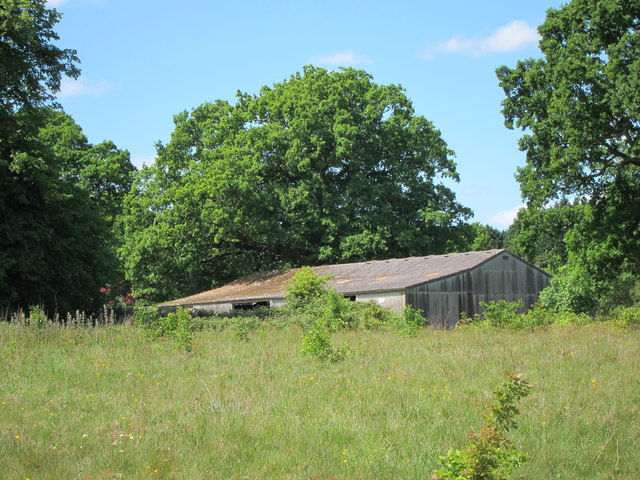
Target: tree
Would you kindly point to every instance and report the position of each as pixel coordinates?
(486, 237)
(32, 65)
(323, 167)
(539, 235)
(579, 106)
(103, 170)
(52, 238)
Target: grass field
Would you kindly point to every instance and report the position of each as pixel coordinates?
(109, 403)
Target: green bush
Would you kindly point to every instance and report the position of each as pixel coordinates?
(37, 317)
(177, 325)
(571, 290)
(561, 319)
(626, 316)
(502, 314)
(368, 316)
(305, 286)
(490, 455)
(411, 322)
(536, 316)
(148, 319)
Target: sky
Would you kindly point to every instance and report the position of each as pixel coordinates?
(143, 62)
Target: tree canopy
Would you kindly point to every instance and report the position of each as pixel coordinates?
(32, 65)
(580, 103)
(324, 167)
(579, 108)
(58, 194)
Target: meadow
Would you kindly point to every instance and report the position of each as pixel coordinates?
(110, 403)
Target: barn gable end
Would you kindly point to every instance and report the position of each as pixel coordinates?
(501, 277)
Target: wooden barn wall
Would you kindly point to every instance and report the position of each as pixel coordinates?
(504, 277)
(394, 301)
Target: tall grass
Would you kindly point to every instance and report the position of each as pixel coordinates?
(109, 403)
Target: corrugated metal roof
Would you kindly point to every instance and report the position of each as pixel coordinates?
(348, 278)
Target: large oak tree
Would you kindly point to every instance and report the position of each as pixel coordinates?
(326, 166)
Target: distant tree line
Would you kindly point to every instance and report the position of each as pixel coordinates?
(324, 167)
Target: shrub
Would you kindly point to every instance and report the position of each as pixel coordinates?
(368, 316)
(316, 341)
(572, 290)
(176, 325)
(502, 314)
(569, 318)
(37, 317)
(490, 455)
(305, 286)
(411, 322)
(537, 316)
(148, 318)
(626, 316)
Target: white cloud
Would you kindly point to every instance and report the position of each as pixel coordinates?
(56, 3)
(341, 58)
(75, 88)
(504, 218)
(508, 38)
(140, 160)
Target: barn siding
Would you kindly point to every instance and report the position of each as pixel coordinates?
(394, 301)
(504, 277)
(277, 302)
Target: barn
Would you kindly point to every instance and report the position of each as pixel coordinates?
(441, 286)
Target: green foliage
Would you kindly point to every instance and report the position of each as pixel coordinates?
(538, 234)
(148, 318)
(626, 316)
(316, 341)
(32, 64)
(103, 170)
(368, 316)
(55, 247)
(37, 317)
(502, 415)
(579, 102)
(490, 455)
(572, 290)
(579, 108)
(324, 167)
(411, 322)
(501, 314)
(319, 310)
(306, 286)
(177, 326)
(486, 237)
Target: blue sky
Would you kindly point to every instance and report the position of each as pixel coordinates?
(143, 62)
